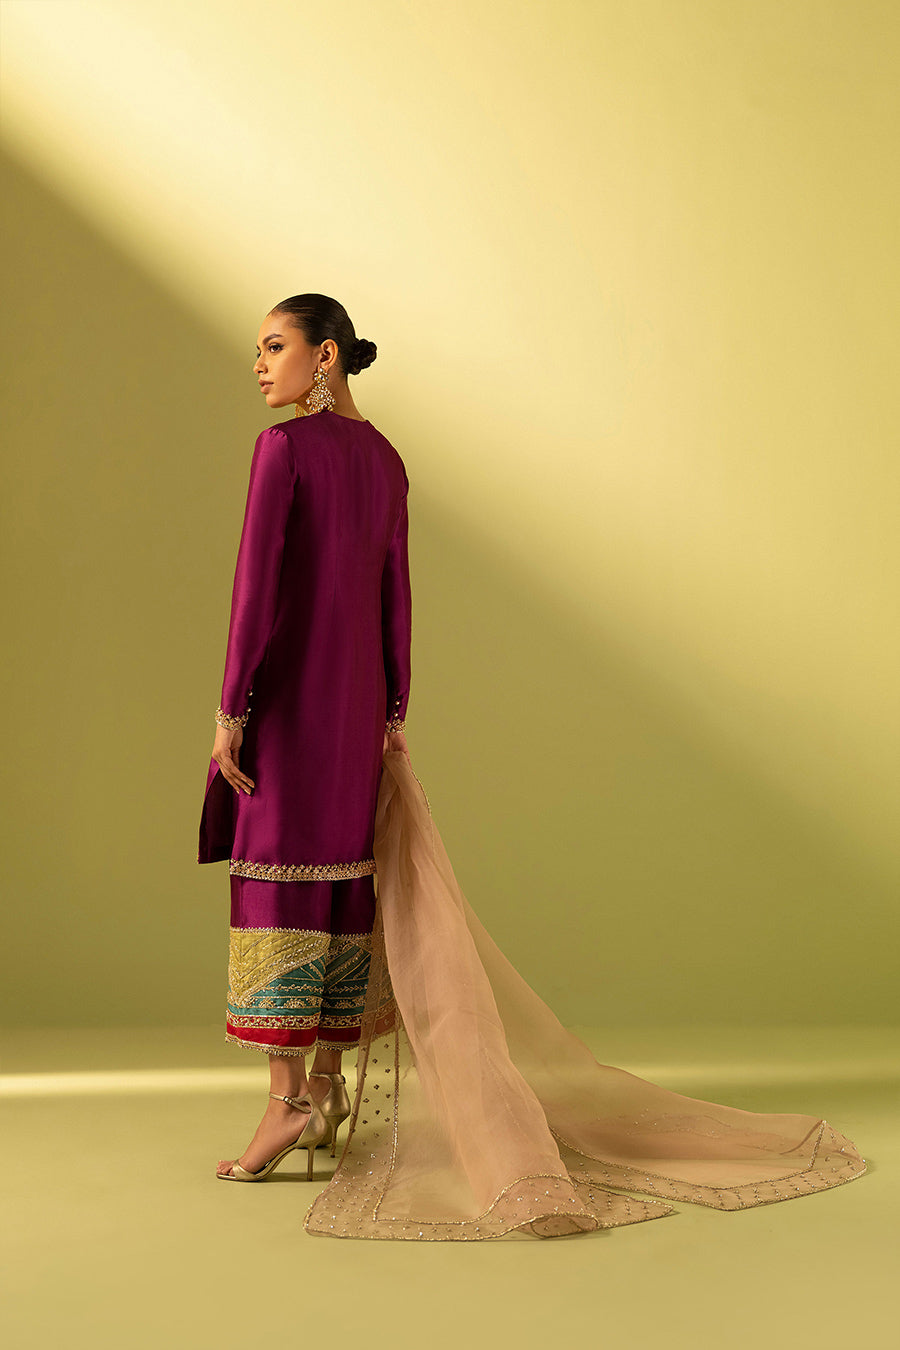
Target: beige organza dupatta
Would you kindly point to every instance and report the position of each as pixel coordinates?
(478, 1114)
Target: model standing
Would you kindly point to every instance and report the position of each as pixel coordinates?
(317, 671)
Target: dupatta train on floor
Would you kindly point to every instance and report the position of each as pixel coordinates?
(477, 1114)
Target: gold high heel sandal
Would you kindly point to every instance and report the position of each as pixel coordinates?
(313, 1133)
(335, 1105)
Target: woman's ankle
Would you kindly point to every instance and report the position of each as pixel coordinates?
(287, 1078)
(326, 1061)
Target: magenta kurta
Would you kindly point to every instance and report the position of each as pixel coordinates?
(320, 635)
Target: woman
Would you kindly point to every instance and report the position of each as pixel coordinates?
(476, 1113)
(320, 636)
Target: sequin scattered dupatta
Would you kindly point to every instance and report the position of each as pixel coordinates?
(478, 1114)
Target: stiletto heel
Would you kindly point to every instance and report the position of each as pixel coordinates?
(313, 1133)
(335, 1105)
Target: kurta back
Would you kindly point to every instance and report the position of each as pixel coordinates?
(320, 636)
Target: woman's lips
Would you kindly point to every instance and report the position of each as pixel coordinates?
(265, 384)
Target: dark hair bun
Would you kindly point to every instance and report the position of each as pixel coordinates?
(364, 354)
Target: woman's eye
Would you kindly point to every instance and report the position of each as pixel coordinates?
(275, 347)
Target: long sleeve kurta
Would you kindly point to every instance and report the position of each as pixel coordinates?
(318, 652)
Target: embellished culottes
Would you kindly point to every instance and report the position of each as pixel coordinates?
(298, 964)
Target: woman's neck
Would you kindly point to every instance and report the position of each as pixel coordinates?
(345, 407)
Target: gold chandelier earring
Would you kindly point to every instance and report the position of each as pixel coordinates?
(318, 398)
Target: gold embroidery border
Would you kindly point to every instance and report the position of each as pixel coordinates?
(290, 1049)
(268, 1049)
(226, 720)
(277, 1021)
(337, 941)
(315, 932)
(261, 871)
(271, 1010)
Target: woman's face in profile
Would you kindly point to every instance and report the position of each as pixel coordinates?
(285, 363)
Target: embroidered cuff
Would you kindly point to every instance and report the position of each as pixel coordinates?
(395, 722)
(226, 720)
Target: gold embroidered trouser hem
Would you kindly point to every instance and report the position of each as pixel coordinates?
(288, 1049)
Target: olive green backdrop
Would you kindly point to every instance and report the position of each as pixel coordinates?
(630, 280)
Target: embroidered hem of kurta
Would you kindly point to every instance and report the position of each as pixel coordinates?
(241, 867)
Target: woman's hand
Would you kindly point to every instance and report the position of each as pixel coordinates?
(395, 740)
(225, 753)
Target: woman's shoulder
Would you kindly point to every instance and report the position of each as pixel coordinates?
(319, 426)
(288, 438)
(291, 426)
(319, 429)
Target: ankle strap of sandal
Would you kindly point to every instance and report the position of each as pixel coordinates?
(320, 1073)
(302, 1103)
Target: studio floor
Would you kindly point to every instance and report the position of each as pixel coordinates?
(116, 1232)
